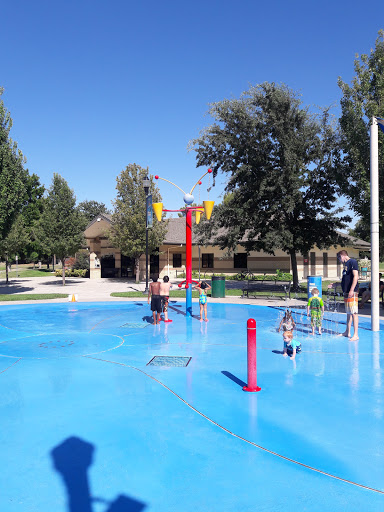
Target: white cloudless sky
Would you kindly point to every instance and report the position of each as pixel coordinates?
(93, 85)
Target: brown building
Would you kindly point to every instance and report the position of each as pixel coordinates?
(107, 261)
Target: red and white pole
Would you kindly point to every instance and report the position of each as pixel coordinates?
(251, 351)
(188, 261)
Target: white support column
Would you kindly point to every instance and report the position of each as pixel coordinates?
(375, 285)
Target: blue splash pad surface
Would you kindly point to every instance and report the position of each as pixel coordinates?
(85, 422)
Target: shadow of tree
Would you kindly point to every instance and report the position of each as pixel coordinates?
(72, 459)
(14, 286)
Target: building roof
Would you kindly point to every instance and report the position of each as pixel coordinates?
(102, 216)
(176, 232)
(356, 242)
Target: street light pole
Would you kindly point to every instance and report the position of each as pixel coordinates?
(146, 184)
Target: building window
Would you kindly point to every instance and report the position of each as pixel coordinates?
(240, 260)
(176, 260)
(325, 264)
(313, 263)
(207, 260)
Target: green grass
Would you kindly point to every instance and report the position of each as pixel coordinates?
(32, 296)
(25, 271)
(176, 293)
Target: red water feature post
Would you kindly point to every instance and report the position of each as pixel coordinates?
(251, 351)
(188, 262)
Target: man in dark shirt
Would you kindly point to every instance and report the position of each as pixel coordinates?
(350, 287)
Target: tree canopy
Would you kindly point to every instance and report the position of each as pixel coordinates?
(13, 176)
(61, 226)
(129, 217)
(361, 100)
(91, 209)
(281, 162)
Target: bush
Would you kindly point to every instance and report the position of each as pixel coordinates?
(77, 272)
(82, 260)
(365, 263)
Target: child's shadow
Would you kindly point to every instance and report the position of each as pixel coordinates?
(277, 351)
(148, 319)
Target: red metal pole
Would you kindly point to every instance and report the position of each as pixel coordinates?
(188, 262)
(251, 353)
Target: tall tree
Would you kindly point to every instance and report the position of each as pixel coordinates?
(30, 213)
(128, 219)
(280, 160)
(361, 100)
(20, 240)
(13, 176)
(61, 226)
(15, 242)
(90, 210)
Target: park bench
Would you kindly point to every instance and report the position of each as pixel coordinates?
(267, 289)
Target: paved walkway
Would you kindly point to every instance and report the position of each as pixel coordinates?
(99, 290)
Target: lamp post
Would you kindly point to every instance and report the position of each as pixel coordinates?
(199, 210)
(146, 184)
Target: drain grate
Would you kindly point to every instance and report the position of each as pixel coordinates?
(132, 325)
(169, 361)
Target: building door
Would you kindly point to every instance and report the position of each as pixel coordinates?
(325, 264)
(313, 263)
(127, 266)
(108, 266)
(154, 264)
(306, 265)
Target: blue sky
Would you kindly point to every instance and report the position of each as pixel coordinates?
(93, 85)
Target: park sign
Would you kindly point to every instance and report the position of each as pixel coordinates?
(149, 211)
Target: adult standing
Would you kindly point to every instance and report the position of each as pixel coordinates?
(350, 287)
(155, 299)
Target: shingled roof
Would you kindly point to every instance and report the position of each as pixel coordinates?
(176, 233)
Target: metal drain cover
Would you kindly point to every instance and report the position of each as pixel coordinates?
(169, 361)
(132, 325)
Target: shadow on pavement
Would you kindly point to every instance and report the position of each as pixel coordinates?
(72, 459)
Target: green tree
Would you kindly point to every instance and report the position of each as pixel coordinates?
(280, 160)
(361, 100)
(15, 242)
(128, 219)
(13, 176)
(60, 229)
(90, 210)
(30, 213)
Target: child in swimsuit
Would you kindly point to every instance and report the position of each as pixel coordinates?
(315, 307)
(287, 322)
(164, 294)
(202, 286)
(291, 346)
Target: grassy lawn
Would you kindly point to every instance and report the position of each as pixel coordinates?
(234, 292)
(26, 270)
(175, 293)
(32, 296)
(229, 292)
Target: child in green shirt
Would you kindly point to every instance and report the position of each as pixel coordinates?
(315, 306)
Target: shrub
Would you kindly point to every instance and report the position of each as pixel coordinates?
(82, 260)
(365, 263)
(77, 272)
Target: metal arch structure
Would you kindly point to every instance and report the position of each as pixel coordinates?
(207, 208)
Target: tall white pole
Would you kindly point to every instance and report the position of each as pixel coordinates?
(375, 285)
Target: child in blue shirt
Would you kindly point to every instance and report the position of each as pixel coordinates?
(291, 346)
